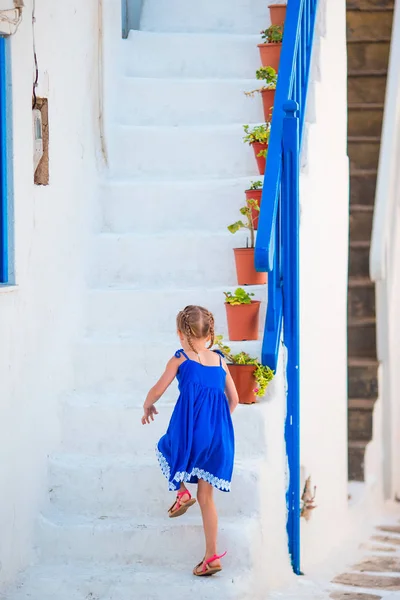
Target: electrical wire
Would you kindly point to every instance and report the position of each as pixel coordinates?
(36, 79)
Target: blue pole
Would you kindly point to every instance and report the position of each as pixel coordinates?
(3, 166)
(291, 317)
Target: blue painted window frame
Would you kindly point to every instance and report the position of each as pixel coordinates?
(4, 270)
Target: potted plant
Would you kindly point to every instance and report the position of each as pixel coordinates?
(277, 13)
(269, 77)
(244, 257)
(270, 49)
(242, 314)
(258, 139)
(251, 378)
(254, 192)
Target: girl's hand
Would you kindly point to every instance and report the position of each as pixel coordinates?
(149, 412)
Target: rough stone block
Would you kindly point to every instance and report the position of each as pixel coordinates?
(363, 152)
(363, 381)
(356, 461)
(369, 581)
(359, 260)
(368, 4)
(360, 425)
(361, 300)
(362, 339)
(362, 188)
(368, 56)
(372, 25)
(360, 224)
(353, 596)
(365, 120)
(366, 88)
(379, 564)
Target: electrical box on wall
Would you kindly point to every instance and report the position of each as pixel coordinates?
(37, 137)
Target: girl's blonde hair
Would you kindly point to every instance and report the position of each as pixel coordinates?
(196, 322)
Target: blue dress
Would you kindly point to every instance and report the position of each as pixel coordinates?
(199, 443)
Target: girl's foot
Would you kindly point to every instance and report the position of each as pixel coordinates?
(208, 566)
(183, 501)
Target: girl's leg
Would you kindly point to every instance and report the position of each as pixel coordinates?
(205, 498)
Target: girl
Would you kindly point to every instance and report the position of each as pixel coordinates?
(199, 444)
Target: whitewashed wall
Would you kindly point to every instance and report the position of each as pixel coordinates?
(40, 316)
(324, 197)
(382, 463)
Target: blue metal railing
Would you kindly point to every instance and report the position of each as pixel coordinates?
(3, 167)
(277, 245)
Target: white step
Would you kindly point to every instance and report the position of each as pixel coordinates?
(115, 311)
(173, 102)
(241, 16)
(188, 55)
(135, 581)
(111, 427)
(170, 260)
(119, 487)
(160, 206)
(175, 153)
(162, 542)
(126, 363)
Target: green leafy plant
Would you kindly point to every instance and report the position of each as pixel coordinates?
(239, 297)
(259, 133)
(247, 212)
(272, 35)
(256, 185)
(270, 78)
(262, 374)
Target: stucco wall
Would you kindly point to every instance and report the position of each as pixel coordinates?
(323, 281)
(40, 316)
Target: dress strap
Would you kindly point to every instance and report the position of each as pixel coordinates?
(178, 354)
(221, 356)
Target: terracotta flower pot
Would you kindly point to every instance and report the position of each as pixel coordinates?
(243, 377)
(261, 161)
(277, 13)
(246, 273)
(268, 98)
(243, 321)
(270, 55)
(254, 195)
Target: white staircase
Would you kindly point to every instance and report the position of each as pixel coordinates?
(177, 177)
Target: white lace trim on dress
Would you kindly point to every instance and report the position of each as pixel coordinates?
(183, 476)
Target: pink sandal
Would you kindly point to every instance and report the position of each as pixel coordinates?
(182, 507)
(206, 570)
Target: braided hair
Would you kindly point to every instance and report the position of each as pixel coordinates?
(196, 322)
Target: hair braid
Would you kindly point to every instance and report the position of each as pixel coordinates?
(188, 330)
(211, 327)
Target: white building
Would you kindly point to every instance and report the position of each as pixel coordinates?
(143, 169)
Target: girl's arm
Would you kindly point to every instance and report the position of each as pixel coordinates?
(230, 390)
(159, 388)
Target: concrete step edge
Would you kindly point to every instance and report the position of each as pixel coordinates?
(356, 322)
(362, 362)
(367, 73)
(362, 208)
(363, 172)
(357, 444)
(368, 40)
(360, 282)
(362, 139)
(360, 245)
(365, 106)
